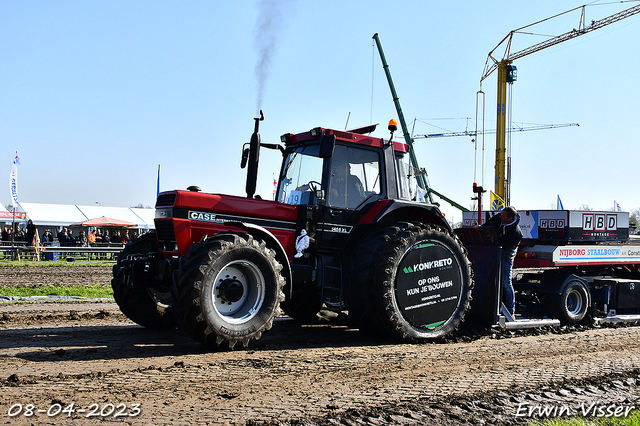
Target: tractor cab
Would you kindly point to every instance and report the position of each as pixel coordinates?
(339, 176)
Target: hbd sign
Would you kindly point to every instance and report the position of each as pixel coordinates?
(599, 222)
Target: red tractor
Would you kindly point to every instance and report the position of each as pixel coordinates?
(343, 235)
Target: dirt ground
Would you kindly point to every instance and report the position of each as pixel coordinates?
(90, 361)
(25, 276)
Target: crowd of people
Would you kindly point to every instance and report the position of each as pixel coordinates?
(95, 238)
(65, 237)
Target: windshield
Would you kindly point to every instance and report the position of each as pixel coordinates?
(301, 175)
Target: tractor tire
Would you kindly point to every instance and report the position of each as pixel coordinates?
(572, 304)
(228, 288)
(149, 307)
(410, 281)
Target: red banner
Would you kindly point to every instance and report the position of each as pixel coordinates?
(9, 215)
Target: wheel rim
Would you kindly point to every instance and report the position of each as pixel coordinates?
(238, 291)
(575, 303)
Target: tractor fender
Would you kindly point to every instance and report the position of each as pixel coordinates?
(271, 241)
(391, 211)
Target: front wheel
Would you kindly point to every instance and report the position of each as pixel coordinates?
(417, 281)
(229, 289)
(139, 286)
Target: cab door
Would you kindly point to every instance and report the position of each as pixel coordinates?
(353, 179)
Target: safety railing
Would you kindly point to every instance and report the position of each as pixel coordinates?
(99, 252)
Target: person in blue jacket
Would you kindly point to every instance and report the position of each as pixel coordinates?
(509, 236)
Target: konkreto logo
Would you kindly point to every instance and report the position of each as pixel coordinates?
(441, 263)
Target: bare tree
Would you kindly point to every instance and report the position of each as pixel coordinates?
(634, 220)
(585, 207)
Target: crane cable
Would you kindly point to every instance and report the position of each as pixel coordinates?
(507, 182)
(373, 60)
(480, 109)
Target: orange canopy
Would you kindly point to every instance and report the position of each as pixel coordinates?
(104, 222)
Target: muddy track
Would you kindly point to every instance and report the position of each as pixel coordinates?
(24, 276)
(88, 353)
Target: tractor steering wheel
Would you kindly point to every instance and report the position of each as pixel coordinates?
(313, 185)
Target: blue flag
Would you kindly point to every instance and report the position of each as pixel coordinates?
(559, 206)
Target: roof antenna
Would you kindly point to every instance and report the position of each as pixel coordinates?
(347, 123)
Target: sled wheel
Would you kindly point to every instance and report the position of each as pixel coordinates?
(573, 302)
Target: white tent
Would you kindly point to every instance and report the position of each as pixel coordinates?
(66, 214)
(53, 214)
(146, 215)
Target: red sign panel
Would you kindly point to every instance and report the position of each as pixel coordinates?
(9, 215)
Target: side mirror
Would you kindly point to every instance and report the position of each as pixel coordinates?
(245, 157)
(327, 144)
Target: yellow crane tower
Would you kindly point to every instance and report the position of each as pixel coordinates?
(507, 73)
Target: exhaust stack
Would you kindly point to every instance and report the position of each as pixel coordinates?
(254, 156)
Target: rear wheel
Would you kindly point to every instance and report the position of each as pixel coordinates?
(410, 281)
(572, 303)
(143, 295)
(229, 289)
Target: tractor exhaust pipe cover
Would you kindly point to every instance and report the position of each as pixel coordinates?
(254, 157)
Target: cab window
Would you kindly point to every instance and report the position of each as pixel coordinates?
(355, 176)
(403, 177)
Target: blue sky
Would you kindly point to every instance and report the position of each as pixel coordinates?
(94, 95)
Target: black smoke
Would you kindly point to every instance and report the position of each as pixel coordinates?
(270, 21)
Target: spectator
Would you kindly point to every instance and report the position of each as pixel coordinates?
(91, 238)
(115, 237)
(6, 234)
(47, 238)
(19, 235)
(30, 234)
(105, 238)
(125, 237)
(82, 240)
(63, 237)
(72, 239)
(99, 237)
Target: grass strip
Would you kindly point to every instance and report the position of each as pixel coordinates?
(97, 290)
(632, 420)
(54, 263)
